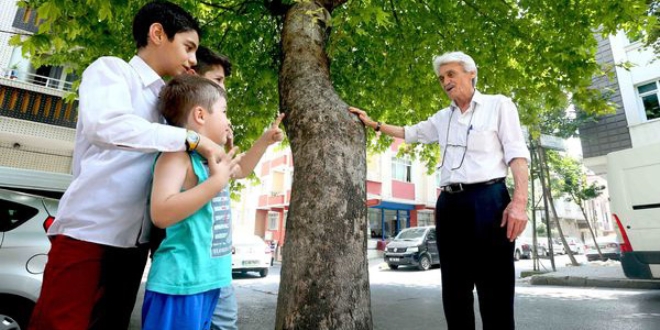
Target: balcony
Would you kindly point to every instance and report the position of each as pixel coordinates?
(36, 98)
(37, 126)
(403, 190)
(274, 200)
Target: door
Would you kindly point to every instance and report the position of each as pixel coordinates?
(432, 246)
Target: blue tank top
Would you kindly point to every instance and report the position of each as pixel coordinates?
(195, 255)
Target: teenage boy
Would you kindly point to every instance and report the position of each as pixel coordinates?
(98, 250)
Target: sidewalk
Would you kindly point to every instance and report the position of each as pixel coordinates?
(607, 274)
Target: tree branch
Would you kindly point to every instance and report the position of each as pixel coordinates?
(237, 9)
(507, 28)
(276, 7)
(216, 5)
(396, 17)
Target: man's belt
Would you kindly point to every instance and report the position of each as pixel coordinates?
(460, 187)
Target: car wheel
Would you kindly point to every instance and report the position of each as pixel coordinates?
(392, 266)
(15, 314)
(516, 255)
(263, 272)
(424, 262)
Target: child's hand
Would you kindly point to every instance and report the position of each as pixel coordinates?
(229, 144)
(274, 134)
(223, 166)
(237, 170)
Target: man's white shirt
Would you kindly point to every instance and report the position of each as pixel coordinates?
(118, 132)
(493, 138)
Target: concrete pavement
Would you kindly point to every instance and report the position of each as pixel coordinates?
(607, 274)
(600, 274)
(401, 302)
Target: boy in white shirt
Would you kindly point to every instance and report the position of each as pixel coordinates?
(98, 250)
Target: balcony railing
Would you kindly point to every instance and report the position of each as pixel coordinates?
(36, 80)
(38, 103)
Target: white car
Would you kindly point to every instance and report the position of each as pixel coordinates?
(251, 253)
(576, 246)
(23, 254)
(609, 247)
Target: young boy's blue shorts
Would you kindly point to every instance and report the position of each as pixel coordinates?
(178, 312)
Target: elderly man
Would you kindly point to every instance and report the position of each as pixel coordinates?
(480, 137)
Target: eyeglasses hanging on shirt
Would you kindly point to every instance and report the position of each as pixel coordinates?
(451, 145)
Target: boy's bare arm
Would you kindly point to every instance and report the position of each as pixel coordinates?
(250, 159)
(169, 202)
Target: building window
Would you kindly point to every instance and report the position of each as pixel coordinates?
(648, 94)
(375, 222)
(401, 169)
(26, 15)
(425, 219)
(273, 219)
(278, 183)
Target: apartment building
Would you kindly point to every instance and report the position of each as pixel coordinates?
(634, 91)
(37, 126)
(400, 194)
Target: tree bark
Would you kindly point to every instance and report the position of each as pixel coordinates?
(325, 280)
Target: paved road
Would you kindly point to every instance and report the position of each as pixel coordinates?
(410, 299)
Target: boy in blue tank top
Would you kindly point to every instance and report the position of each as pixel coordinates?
(190, 200)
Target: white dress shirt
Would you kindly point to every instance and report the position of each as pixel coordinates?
(493, 138)
(117, 134)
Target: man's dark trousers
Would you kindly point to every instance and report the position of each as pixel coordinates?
(474, 251)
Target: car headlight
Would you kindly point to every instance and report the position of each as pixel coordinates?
(413, 249)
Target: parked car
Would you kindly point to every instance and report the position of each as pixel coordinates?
(558, 246)
(575, 245)
(609, 247)
(544, 250)
(23, 254)
(415, 246)
(522, 250)
(251, 254)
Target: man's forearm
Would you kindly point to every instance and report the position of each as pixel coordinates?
(392, 130)
(387, 129)
(520, 179)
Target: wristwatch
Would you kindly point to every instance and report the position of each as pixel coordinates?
(192, 140)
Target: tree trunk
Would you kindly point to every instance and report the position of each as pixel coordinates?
(567, 248)
(325, 280)
(544, 187)
(593, 236)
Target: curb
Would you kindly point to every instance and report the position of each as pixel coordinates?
(600, 282)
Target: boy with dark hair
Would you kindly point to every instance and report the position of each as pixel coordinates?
(212, 65)
(190, 200)
(99, 238)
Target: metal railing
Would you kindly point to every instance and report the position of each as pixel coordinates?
(37, 80)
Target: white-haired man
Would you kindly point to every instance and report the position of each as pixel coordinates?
(480, 137)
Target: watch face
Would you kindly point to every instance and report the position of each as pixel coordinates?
(192, 137)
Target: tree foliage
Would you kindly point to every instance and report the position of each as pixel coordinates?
(571, 179)
(535, 51)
